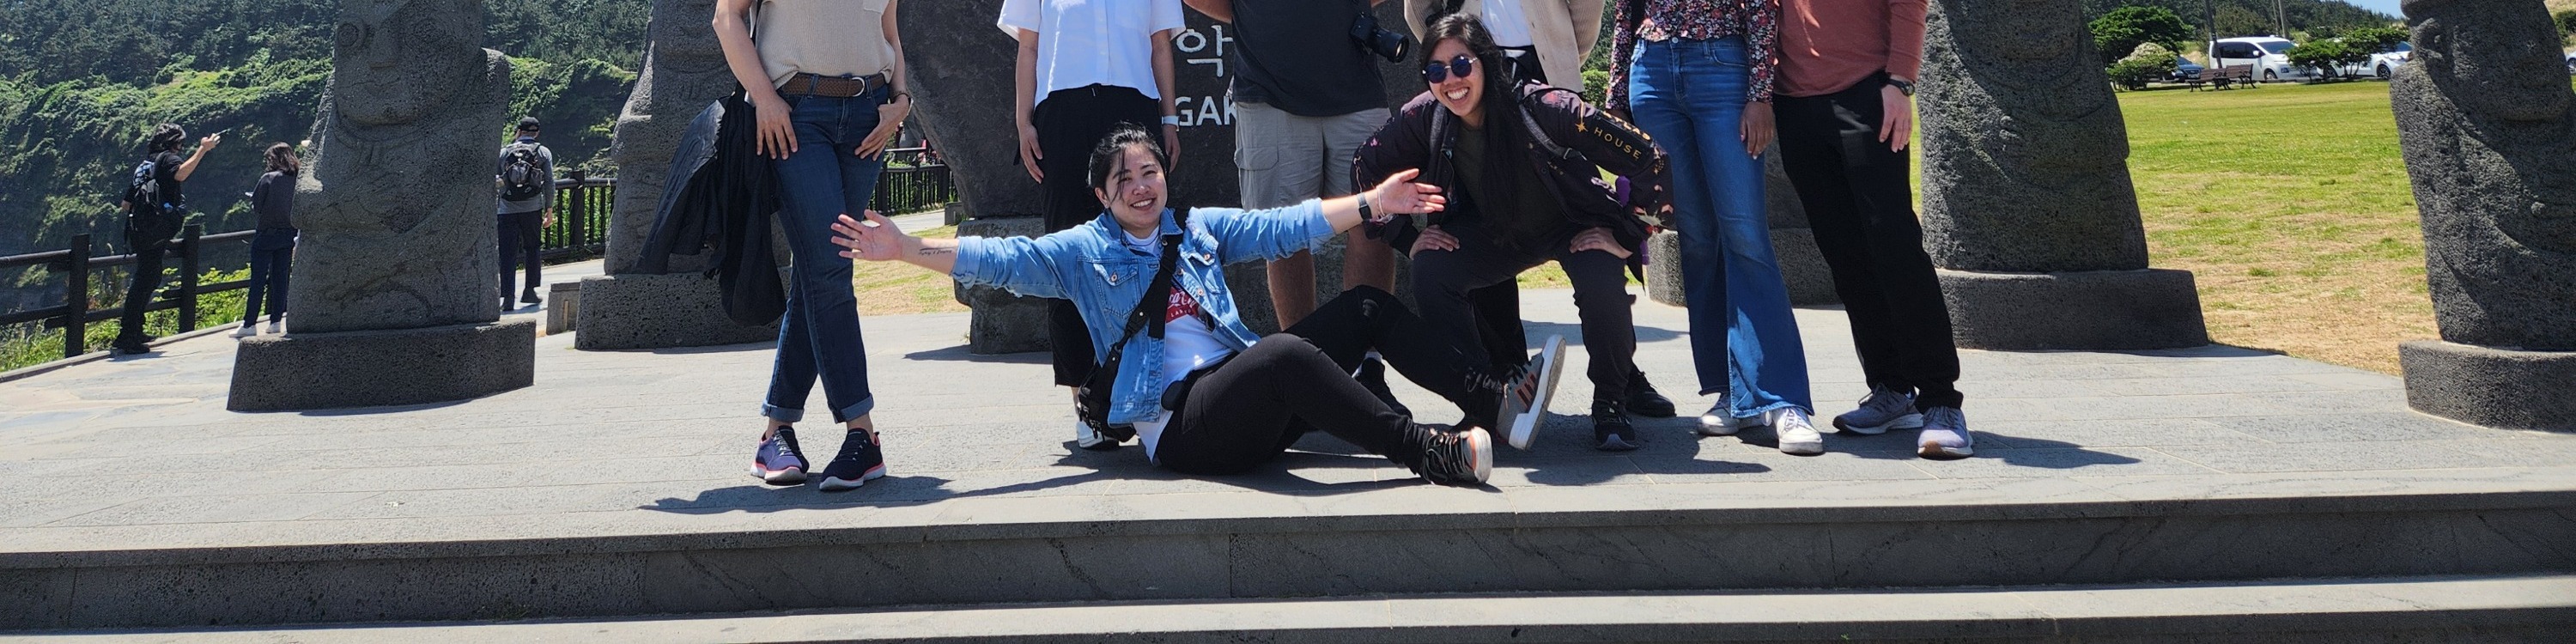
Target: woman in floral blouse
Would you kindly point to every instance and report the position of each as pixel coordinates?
(1696, 75)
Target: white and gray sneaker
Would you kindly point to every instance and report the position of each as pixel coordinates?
(1797, 433)
(1883, 409)
(1719, 420)
(1520, 416)
(1087, 438)
(1945, 434)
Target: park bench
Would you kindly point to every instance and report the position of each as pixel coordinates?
(2224, 77)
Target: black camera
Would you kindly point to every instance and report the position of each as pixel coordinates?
(1390, 44)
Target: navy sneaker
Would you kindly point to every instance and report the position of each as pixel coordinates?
(779, 462)
(1611, 431)
(860, 459)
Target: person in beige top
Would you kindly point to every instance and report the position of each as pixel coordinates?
(826, 81)
(1559, 33)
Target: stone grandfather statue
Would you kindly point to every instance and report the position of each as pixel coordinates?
(394, 293)
(2028, 209)
(397, 210)
(2488, 126)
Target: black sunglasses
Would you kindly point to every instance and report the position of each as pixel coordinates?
(1460, 67)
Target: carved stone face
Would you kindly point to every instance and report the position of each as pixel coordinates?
(396, 61)
(2493, 63)
(680, 34)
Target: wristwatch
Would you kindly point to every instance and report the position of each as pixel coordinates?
(1366, 213)
(1901, 85)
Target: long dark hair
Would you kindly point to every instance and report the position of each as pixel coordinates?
(165, 137)
(281, 159)
(1104, 156)
(1501, 98)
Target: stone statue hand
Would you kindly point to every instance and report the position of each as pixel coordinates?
(777, 130)
(1896, 118)
(1599, 239)
(876, 240)
(1433, 238)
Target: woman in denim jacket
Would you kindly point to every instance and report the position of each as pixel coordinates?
(1242, 399)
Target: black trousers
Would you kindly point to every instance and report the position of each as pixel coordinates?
(1070, 122)
(1862, 209)
(521, 235)
(1250, 409)
(1447, 283)
(138, 294)
(269, 269)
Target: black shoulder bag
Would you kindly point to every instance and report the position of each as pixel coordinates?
(1148, 316)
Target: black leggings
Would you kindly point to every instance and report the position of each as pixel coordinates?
(1254, 406)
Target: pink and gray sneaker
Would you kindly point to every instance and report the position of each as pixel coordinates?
(779, 462)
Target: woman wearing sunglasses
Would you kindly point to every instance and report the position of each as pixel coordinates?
(1697, 75)
(1204, 394)
(1521, 163)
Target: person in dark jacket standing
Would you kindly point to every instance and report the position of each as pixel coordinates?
(1519, 163)
(272, 248)
(170, 172)
(826, 81)
(526, 176)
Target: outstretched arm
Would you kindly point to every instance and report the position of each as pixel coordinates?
(878, 240)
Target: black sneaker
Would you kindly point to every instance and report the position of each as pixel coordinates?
(1644, 401)
(132, 347)
(1460, 458)
(1611, 431)
(1372, 375)
(530, 296)
(860, 459)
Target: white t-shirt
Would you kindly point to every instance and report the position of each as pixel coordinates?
(1085, 42)
(1510, 28)
(1188, 344)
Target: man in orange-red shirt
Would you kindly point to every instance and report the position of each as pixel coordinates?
(1845, 109)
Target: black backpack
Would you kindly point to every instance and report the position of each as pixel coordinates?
(150, 222)
(524, 177)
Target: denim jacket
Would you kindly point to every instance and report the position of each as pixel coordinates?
(1092, 265)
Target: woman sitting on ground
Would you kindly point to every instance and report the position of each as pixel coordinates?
(1204, 395)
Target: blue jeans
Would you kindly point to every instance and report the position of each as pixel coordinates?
(819, 335)
(1689, 95)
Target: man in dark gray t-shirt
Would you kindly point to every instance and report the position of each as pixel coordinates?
(1306, 96)
(527, 205)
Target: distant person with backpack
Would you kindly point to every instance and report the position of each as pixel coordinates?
(527, 179)
(155, 209)
(272, 248)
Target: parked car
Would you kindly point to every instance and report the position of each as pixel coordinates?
(2265, 53)
(2571, 63)
(2383, 64)
(2185, 70)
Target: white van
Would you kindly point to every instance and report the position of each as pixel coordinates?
(2265, 53)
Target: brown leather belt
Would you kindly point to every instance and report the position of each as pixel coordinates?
(831, 86)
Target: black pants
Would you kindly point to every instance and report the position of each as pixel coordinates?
(1254, 406)
(138, 295)
(521, 234)
(268, 273)
(1861, 206)
(1445, 284)
(1070, 122)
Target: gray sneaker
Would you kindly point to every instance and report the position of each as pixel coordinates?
(1884, 409)
(1945, 434)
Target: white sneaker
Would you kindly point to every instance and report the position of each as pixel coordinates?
(245, 331)
(1718, 421)
(1797, 433)
(1522, 417)
(276, 327)
(1084, 437)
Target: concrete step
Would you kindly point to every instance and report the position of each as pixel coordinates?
(1194, 547)
(2473, 609)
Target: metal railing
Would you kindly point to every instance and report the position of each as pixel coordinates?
(74, 315)
(915, 179)
(582, 206)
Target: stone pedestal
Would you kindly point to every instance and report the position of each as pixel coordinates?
(325, 370)
(2139, 309)
(2489, 386)
(641, 311)
(563, 307)
(1002, 322)
(1810, 282)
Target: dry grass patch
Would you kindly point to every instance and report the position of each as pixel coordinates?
(896, 288)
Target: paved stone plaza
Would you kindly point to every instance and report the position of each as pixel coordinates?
(139, 452)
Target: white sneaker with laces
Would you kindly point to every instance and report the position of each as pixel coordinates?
(245, 331)
(1718, 421)
(276, 327)
(1797, 433)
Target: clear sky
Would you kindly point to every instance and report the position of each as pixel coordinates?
(2383, 6)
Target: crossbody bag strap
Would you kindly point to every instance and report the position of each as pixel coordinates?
(1158, 297)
